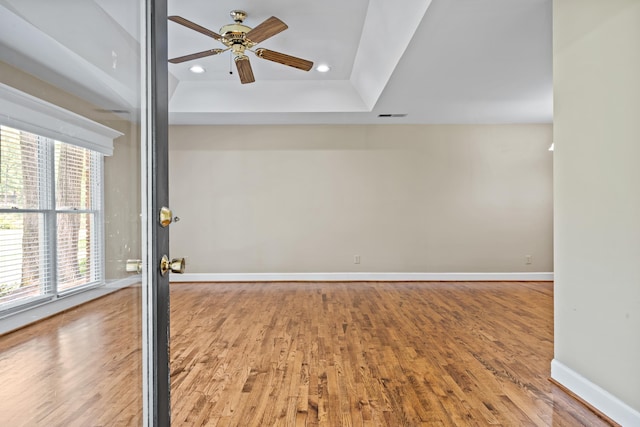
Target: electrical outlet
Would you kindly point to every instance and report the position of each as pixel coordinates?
(528, 259)
(356, 259)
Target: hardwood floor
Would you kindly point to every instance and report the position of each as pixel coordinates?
(301, 354)
(80, 368)
(401, 354)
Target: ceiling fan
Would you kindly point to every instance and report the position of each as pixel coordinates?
(240, 38)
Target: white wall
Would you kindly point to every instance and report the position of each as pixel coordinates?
(597, 202)
(258, 199)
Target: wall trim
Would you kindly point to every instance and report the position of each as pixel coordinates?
(20, 319)
(594, 395)
(31, 114)
(359, 277)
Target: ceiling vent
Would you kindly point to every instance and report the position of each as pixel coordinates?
(392, 115)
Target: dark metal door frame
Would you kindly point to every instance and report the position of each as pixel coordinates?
(157, 393)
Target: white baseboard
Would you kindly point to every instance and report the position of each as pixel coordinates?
(49, 308)
(359, 277)
(594, 395)
(124, 283)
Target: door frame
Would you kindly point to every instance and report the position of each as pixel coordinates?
(155, 195)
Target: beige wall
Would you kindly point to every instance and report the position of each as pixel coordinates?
(121, 171)
(597, 192)
(405, 198)
(122, 203)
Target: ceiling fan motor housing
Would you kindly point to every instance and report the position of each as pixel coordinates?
(235, 34)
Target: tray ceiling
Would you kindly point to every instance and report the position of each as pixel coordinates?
(440, 61)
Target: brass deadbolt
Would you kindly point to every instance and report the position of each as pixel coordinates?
(166, 216)
(176, 265)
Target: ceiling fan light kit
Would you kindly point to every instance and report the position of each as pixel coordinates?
(240, 38)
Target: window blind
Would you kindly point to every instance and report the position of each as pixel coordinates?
(78, 207)
(25, 199)
(50, 217)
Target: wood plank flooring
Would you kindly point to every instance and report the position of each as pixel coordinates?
(367, 354)
(301, 354)
(80, 368)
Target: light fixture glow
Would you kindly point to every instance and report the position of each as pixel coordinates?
(323, 68)
(551, 147)
(198, 69)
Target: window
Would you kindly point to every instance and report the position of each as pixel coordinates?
(50, 218)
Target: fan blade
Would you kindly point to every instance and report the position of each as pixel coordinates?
(281, 58)
(202, 54)
(244, 69)
(192, 25)
(268, 28)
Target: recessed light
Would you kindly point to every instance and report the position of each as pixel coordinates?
(198, 69)
(323, 68)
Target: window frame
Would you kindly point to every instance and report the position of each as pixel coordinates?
(47, 178)
(50, 123)
(97, 196)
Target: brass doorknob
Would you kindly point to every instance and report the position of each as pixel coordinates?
(134, 266)
(176, 265)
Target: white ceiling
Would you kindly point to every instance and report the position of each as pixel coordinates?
(334, 40)
(440, 61)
